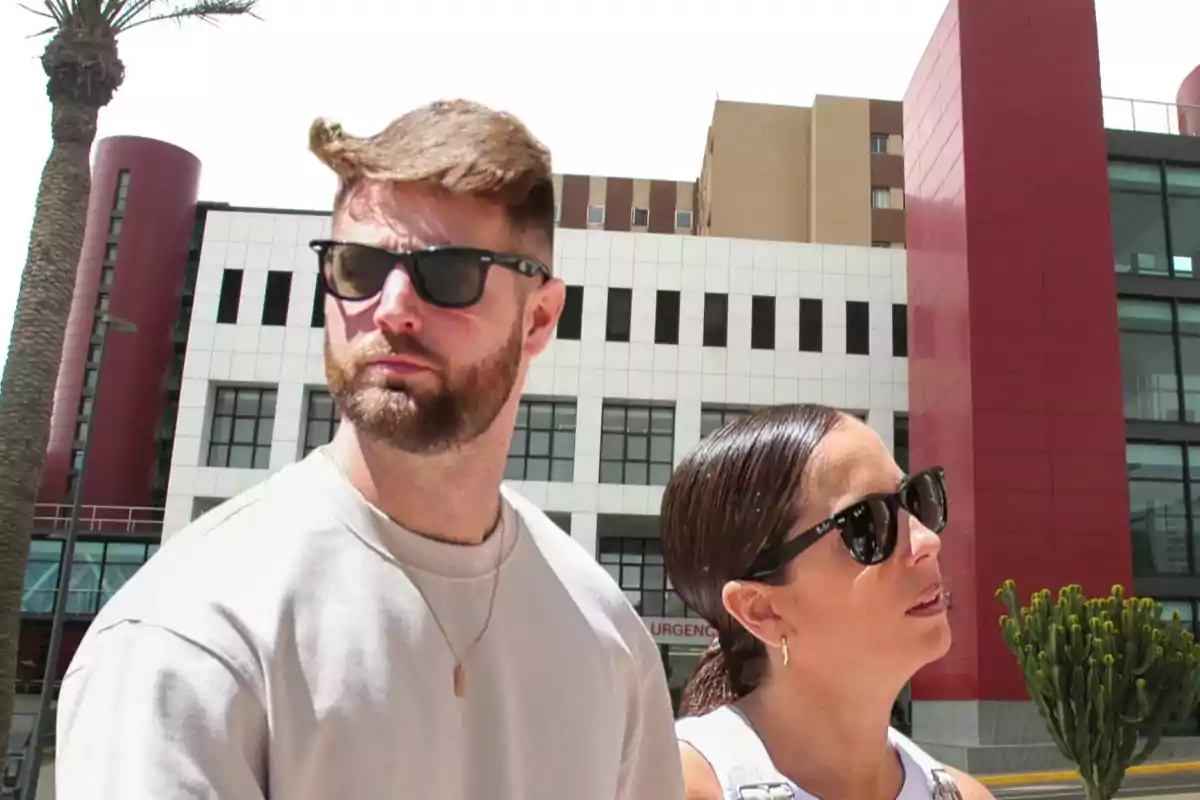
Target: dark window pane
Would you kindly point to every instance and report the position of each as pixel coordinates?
(900, 441)
(570, 324)
(317, 320)
(666, 317)
(611, 472)
(899, 329)
(858, 328)
(537, 469)
(1139, 233)
(275, 302)
(716, 320)
(1150, 382)
(562, 470)
(620, 309)
(636, 474)
(1183, 200)
(231, 296)
(762, 323)
(811, 325)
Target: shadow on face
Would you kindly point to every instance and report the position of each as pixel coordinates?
(422, 377)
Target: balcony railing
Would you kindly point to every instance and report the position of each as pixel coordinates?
(50, 518)
(1151, 116)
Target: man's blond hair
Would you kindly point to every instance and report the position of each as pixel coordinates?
(457, 145)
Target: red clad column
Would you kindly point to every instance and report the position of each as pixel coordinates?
(147, 251)
(1015, 373)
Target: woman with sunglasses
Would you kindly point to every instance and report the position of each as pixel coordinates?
(794, 534)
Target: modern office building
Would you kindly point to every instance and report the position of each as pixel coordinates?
(1032, 320)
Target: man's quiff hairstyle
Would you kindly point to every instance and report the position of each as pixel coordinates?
(457, 145)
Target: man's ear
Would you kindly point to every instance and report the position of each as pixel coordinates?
(754, 605)
(543, 307)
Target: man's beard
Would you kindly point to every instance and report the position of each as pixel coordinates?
(417, 420)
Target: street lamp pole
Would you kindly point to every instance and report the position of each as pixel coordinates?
(32, 767)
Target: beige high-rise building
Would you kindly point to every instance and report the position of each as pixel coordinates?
(830, 174)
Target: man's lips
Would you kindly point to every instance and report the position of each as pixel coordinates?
(398, 364)
(928, 600)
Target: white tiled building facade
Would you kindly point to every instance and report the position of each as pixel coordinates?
(615, 414)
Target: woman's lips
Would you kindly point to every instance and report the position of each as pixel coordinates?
(930, 602)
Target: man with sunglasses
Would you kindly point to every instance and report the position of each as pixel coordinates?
(383, 619)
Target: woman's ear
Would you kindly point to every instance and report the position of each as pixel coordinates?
(756, 606)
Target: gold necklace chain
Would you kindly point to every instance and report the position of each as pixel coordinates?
(460, 668)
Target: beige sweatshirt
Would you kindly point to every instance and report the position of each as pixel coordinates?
(279, 648)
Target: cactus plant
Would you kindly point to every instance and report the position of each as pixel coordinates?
(1105, 674)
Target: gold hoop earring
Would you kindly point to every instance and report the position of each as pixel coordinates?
(783, 644)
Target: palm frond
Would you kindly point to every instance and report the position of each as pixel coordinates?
(204, 10)
(113, 17)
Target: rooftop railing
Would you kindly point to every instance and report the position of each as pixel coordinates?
(51, 518)
(1151, 116)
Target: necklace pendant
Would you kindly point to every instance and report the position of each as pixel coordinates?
(460, 680)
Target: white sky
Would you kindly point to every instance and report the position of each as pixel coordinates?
(241, 96)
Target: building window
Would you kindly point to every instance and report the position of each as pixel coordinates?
(900, 440)
(91, 376)
(713, 418)
(881, 245)
(317, 319)
(716, 320)
(1162, 480)
(595, 215)
(320, 420)
(636, 564)
(93, 354)
(115, 226)
(858, 328)
(99, 570)
(570, 324)
(899, 329)
(762, 322)
(637, 444)
(1139, 228)
(110, 254)
(1183, 218)
(242, 425)
(107, 274)
(543, 443)
(203, 505)
(1154, 334)
(102, 305)
(122, 192)
(619, 318)
(879, 142)
(683, 220)
(275, 301)
(640, 217)
(231, 296)
(811, 325)
(666, 317)
(85, 407)
(881, 197)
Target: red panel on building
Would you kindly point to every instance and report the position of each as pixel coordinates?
(1014, 373)
(151, 260)
(1188, 100)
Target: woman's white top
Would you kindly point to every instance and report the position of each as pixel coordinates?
(731, 746)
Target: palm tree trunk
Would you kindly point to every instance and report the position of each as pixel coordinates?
(27, 388)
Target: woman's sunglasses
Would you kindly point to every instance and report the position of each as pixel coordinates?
(449, 277)
(870, 527)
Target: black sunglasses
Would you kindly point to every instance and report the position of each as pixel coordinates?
(870, 527)
(449, 277)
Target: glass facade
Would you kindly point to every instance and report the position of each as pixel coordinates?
(1160, 359)
(1156, 219)
(99, 570)
(1163, 481)
(636, 564)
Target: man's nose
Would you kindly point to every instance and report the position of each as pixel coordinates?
(398, 307)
